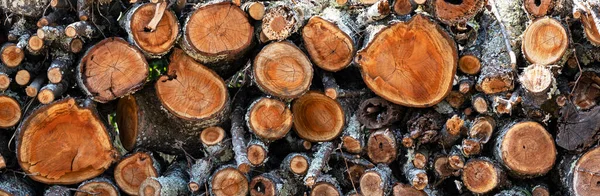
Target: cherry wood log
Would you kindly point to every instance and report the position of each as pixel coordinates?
(296, 164)
(269, 119)
(353, 137)
(382, 146)
(227, 180)
(33, 89)
(330, 39)
(284, 18)
(317, 118)
(577, 130)
(282, 70)
(11, 184)
(405, 189)
(11, 55)
(481, 103)
(63, 4)
(231, 40)
(375, 113)
(456, 13)
(385, 71)
(471, 147)
(81, 29)
(134, 168)
(154, 43)
(526, 149)
(579, 173)
(111, 69)
(11, 111)
(52, 92)
(376, 181)
(404, 7)
(273, 183)
(417, 178)
(5, 81)
(257, 153)
(423, 126)
(320, 158)
(375, 12)
(256, 10)
(48, 33)
(216, 145)
(538, 86)
(51, 19)
(84, 9)
(199, 173)
(482, 128)
(482, 175)
(545, 42)
(99, 185)
(326, 185)
(469, 64)
(194, 93)
(144, 123)
(172, 182)
(539, 8)
(35, 45)
(84, 155)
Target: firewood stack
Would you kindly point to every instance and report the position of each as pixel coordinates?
(300, 97)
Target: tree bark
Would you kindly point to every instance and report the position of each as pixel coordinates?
(172, 182)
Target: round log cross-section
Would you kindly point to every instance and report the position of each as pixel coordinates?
(545, 41)
(64, 143)
(317, 117)
(410, 63)
(583, 178)
(328, 46)
(10, 111)
(269, 119)
(154, 42)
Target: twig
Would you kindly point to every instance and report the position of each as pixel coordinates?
(513, 57)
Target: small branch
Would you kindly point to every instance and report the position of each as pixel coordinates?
(513, 57)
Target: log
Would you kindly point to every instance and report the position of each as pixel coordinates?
(99, 185)
(48, 33)
(526, 149)
(480, 103)
(230, 42)
(29, 8)
(424, 126)
(256, 10)
(320, 158)
(194, 93)
(35, 45)
(405, 189)
(74, 45)
(585, 92)
(52, 92)
(273, 183)
(57, 190)
(376, 113)
(10, 110)
(154, 43)
(456, 13)
(469, 64)
(442, 168)
(32, 89)
(482, 129)
(134, 168)
(330, 39)
(471, 147)
(391, 73)
(269, 119)
(105, 76)
(216, 145)
(11, 184)
(326, 185)
(11, 55)
(238, 139)
(417, 178)
(296, 164)
(257, 153)
(452, 131)
(482, 175)
(539, 8)
(375, 12)
(456, 158)
(376, 181)
(22, 77)
(84, 9)
(172, 182)
(587, 13)
(60, 68)
(227, 180)
(545, 42)
(577, 130)
(199, 173)
(87, 153)
(144, 123)
(579, 174)
(317, 118)
(81, 29)
(382, 146)
(282, 70)
(5, 81)
(353, 138)
(285, 18)
(540, 190)
(63, 4)
(404, 7)
(538, 86)
(51, 19)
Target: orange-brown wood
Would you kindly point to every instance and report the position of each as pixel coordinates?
(230, 182)
(589, 27)
(282, 70)
(410, 63)
(212, 135)
(131, 171)
(481, 176)
(456, 11)
(10, 111)
(256, 154)
(370, 184)
(538, 8)
(111, 69)
(299, 165)
(469, 64)
(328, 46)
(190, 90)
(403, 7)
(127, 119)
(22, 77)
(584, 181)
(527, 149)
(158, 40)
(406, 190)
(4, 81)
(11, 55)
(382, 147)
(98, 188)
(545, 41)
(324, 188)
(317, 117)
(35, 43)
(64, 143)
(269, 119)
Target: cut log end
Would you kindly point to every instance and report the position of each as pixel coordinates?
(35, 43)
(480, 176)
(70, 31)
(22, 77)
(100, 188)
(406, 190)
(111, 69)
(55, 75)
(298, 165)
(207, 36)
(269, 119)
(324, 188)
(229, 181)
(589, 26)
(456, 162)
(455, 125)
(283, 70)
(536, 78)
(496, 83)
(46, 162)
(263, 186)
(317, 117)
(150, 187)
(540, 191)
(212, 136)
(528, 149)
(482, 129)
(453, 12)
(4, 81)
(403, 7)
(419, 181)
(127, 120)
(442, 168)
(76, 45)
(538, 8)
(420, 161)
(133, 170)
(471, 147)
(370, 183)
(382, 147)
(256, 10)
(11, 55)
(256, 154)
(393, 77)
(469, 64)
(351, 144)
(545, 41)
(480, 104)
(10, 110)
(191, 92)
(328, 46)
(584, 181)
(46, 96)
(278, 23)
(159, 40)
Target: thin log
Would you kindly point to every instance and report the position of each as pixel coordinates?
(51, 19)
(51, 92)
(482, 128)
(49, 33)
(353, 138)
(134, 168)
(452, 130)
(256, 10)
(11, 111)
(296, 163)
(238, 131)
(227, 180)
(257, 153)
(32, 89)
(320, 158)
(326, 185)
(269, 119)
(102, 185)
(273, 183)
(172, 182)
(81, 29)
(199, 173)
(11, 55)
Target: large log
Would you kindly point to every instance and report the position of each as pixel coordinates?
(579, 174)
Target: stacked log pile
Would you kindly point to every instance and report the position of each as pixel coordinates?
(300, 97)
